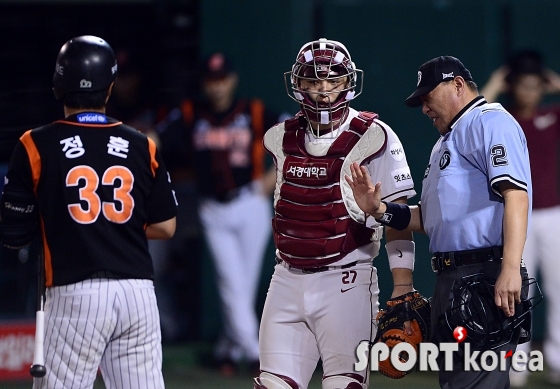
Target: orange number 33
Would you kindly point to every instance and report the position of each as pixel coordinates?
(121, 194)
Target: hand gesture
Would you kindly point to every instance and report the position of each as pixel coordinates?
(367, 195)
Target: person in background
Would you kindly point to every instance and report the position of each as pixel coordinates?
(216, 142)
(525, 81)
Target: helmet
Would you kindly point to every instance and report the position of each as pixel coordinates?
(84, 64)
(323, 60)
(487, 326)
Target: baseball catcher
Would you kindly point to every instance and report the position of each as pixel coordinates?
(410, 307)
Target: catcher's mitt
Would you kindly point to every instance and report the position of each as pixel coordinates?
(411, 307)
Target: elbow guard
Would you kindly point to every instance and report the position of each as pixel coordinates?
(19, 214)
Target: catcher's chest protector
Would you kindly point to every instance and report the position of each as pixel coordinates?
(312, 226)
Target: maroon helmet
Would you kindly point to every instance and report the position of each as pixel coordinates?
(324, 60)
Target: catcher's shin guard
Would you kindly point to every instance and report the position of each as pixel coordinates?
(341, 382)
(268, 380)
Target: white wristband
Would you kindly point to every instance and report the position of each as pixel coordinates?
(400, 254)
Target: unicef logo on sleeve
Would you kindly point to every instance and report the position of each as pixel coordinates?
(445, 160)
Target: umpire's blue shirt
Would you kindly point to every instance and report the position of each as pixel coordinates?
(462, 208)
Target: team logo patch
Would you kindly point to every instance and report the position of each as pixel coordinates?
(419, 78)
(85, 84)
(91, 118)
(445, 160)
(545, 121)
(396, 151)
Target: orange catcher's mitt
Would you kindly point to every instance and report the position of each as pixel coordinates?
(411, 307)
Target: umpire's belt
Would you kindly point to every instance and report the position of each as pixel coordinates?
(453, 259)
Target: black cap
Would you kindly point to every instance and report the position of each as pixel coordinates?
(436, 70)
(217, 65)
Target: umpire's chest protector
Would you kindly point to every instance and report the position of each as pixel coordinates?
(316, 220)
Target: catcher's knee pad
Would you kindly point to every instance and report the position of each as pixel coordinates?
(268, 380)
(342, 382)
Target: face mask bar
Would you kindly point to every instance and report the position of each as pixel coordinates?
(473, 308)
(323, 60)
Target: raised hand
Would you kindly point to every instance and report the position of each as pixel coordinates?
(367, 195)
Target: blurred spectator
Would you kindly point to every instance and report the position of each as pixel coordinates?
(217, 142)
(132, 99)
(526, 81)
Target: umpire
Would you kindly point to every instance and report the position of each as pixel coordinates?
(475, 206)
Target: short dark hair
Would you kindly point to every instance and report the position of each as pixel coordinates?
(93, 100)
(472, 86)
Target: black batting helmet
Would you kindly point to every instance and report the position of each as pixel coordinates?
(84, 64)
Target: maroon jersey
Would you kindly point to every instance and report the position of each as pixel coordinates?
(543, 141)
(98, 184)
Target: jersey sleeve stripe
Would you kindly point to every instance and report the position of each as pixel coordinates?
(399, 192)
(35, 164)
(257, 119)
(505, 177)
(34, 157)
(153, 162)
(47, 260)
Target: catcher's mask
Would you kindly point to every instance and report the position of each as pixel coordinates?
(324, 60)
(487, 326)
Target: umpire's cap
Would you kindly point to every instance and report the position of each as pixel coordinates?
(84, 64)
(436, 70)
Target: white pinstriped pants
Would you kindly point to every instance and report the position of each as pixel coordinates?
(101, 323)
(237, 233)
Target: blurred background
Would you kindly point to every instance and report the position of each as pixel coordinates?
(159, 45)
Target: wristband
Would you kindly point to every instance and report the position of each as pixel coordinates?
(396, 216)
(400, 254)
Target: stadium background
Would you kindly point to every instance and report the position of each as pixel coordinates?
(388, 39)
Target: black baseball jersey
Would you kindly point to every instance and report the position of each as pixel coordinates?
(224, 150)
(98, 184)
